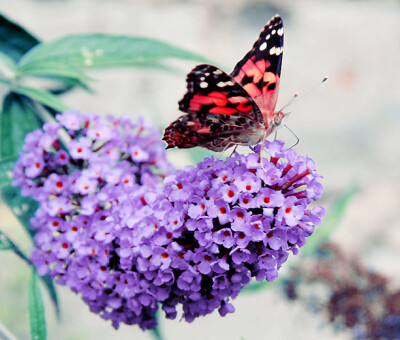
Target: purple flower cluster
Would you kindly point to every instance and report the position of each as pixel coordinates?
(76, 169)
(110, 231)
(230, 221)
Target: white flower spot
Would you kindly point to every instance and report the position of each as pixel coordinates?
(263, 46)
(86, 52)
(88, 62)
(203, 84)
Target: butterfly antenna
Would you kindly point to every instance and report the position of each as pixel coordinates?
(289, 102)
(297, 96)
(297, 138)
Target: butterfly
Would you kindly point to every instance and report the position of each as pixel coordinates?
(224, 110)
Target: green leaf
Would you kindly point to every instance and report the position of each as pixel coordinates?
(14, 40)
(330, 222)
(102, 50)
(52, 70)
(256, 286)
(16, 120)
(6, 168)
(42, 97)
(8, 62)
(51, 289)
(22, 207)
(199, 154)
(36, 311)
(7, 244)
(4, 246)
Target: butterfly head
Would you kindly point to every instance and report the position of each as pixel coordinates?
(279, 119)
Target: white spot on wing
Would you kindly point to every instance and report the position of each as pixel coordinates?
(273, 32)
(203, 84)
(217, 72)
(267, 37)
(263, 46)
(280, 31)
(272, 51)
(221, 84)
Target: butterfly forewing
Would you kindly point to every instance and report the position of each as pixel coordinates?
(219, 111)
(259, 71)
(211, 90)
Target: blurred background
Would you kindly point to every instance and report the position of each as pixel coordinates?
(350, 126)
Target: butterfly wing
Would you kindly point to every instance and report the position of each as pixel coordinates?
(219, 112)
(224, 110)
(259, 71)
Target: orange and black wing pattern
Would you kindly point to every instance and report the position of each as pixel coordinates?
(223, 110)
(216, 108)
(259, 71)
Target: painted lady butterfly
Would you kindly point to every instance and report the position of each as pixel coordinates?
(239, 109)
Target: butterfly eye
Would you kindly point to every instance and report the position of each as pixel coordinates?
(277, 120)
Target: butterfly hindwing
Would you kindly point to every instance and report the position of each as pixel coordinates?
(259, 71)
(211, 131)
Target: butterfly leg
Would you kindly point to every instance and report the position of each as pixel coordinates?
(234, 150)
(220, 155)
(261, 150)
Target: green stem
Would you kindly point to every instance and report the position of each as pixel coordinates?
(46, 117)
(156, 333)
(15, 248)
(7, 82)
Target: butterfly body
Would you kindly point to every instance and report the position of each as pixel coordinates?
(224, 110)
